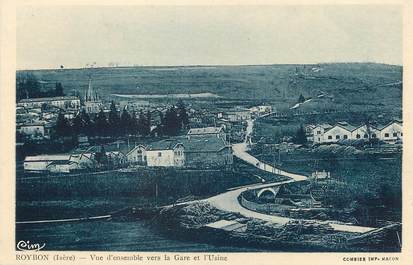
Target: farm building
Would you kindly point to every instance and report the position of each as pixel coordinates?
(63, 163)
(41, 162)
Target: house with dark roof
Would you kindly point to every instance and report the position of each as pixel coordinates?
(166, 153)
(201, 152)
(207, 152)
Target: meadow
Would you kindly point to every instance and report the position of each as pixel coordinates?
(359, 84)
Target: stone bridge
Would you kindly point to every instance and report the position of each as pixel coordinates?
(274, 190)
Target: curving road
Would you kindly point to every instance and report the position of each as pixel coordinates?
(228, 201)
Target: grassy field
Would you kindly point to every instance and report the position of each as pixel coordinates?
(90, 194)
(357, 84)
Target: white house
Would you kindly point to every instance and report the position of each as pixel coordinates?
(166, 153)
(318, 132)
(392, 132)
(137, 155)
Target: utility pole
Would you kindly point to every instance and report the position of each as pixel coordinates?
(156, 193)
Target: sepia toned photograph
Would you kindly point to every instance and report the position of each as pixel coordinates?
(213, 129)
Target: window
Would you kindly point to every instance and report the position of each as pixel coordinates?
(373, 135)
(365, 135)
(358, 136)
(330, 137)
(394, 134)
(318, 132)
(386, 135)
(337, 136)
(159, 154)
(401, 134)
(345, 136)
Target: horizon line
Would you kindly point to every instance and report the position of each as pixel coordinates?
(205, 65)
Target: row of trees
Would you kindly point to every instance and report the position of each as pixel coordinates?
(28, 86)
(122, 123)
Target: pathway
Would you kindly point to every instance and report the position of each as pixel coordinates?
(228, 201)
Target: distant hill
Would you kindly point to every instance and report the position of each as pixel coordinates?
(335, 84)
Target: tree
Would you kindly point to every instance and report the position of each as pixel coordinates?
(77, 125)
(125, 120)
(27, 86)
(114, 120)
(101, 127)
(301, 98)
(134, 124)
(147, 123)
(58, 92)
(87, 123)
(62, 126)
(172, 123)
(300, 136)
(182, 114)
(161, 126)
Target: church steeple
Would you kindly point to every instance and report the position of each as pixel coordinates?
(90, 94)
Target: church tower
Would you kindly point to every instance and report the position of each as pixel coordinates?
(93, 104)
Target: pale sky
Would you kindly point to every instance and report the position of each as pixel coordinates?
(75, 36)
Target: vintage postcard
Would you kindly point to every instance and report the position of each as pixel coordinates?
(200, 133)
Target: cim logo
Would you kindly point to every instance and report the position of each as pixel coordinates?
(27, 246)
